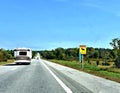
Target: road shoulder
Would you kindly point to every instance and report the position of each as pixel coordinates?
(94, 83)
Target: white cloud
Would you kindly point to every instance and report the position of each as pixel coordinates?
(110, 8)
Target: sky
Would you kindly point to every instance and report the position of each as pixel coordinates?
(49, 24)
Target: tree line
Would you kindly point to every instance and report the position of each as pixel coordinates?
(116, 49)
(73, 53)
(6, 54)
(106, 55)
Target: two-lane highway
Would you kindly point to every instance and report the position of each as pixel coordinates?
(36, 78)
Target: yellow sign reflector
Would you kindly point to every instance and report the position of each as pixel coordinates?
(82, 49)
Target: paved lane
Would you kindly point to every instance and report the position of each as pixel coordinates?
(38, 77)
(34, 78)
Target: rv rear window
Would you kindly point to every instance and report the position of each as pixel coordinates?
(22, 53)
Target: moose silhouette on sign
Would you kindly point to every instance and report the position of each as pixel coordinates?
(82, 48)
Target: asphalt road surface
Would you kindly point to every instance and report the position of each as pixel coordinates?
(94, 83)
(36, 78)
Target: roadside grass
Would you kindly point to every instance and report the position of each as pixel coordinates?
(107, 73)
(7, 62)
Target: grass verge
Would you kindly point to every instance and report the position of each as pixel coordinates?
(92, 69)
(8, 62)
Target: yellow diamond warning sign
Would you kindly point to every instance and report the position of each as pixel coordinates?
(82, 49)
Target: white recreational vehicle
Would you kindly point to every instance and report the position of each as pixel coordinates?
(22, 55)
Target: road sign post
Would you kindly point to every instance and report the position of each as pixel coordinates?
(80, 57)
(82, 52)
(82, 61)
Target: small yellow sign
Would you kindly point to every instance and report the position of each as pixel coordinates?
(82, 49)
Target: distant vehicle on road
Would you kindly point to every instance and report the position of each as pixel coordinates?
(22, 55)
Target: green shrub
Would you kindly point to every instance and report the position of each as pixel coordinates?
(117, 62)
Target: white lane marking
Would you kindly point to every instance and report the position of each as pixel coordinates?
(68, 90)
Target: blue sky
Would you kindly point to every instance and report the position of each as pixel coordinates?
(48, 24)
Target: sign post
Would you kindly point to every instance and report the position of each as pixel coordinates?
(82, 51)
(81, 59)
